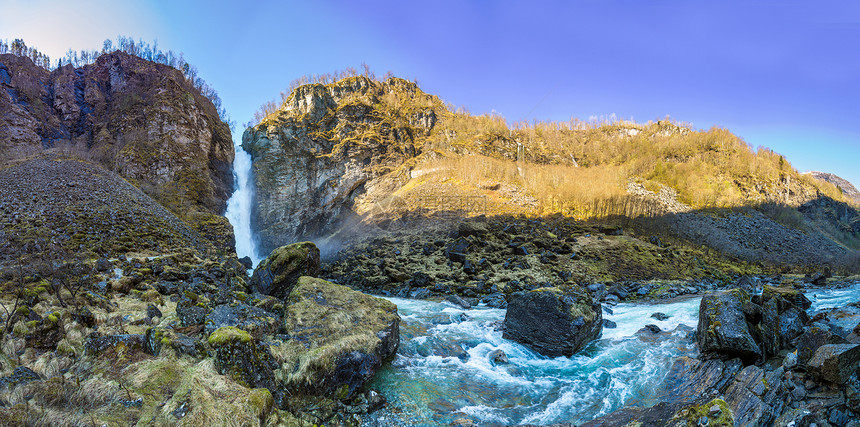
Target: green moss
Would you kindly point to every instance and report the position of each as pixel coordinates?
(53, 318)
(261, 401)
(696, 412)
(228, 334)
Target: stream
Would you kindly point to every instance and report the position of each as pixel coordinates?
(443, 369)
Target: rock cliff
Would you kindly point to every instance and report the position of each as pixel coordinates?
(140, 119)
(332, 150)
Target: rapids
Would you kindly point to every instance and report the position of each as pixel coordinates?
(443, 369)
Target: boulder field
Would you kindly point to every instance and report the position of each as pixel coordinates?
(180, 339)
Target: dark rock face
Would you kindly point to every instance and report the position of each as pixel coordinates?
(279, 272)
(836, 362)
(124, 344)
(141, 119)
(723, 328)
(21, 375)
(553, 321)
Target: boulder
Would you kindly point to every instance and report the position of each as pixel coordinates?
(813, 337)
(835, 362)
(340, 337)
(277, 274)
(555, 321)
(255, 321)
(238, 355)
(723, 328)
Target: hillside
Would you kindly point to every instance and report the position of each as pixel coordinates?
(360, 149)
(845, 186)
(142, 120)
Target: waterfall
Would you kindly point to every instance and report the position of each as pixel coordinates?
(239, 206)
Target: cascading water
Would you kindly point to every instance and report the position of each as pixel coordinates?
(443, 369)
(239, 206)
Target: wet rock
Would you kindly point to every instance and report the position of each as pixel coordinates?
(340, 337)
(495, 300)
(838, 417)
(420, 293)
(649, 329)
(619, 291)
(278, 273)
(256, 321)
(659, 316)
(835, 362)
(498, 357)
(185, 345)
(553, 321)
(103, 265)
(596, 287)
(608, 324)
(246, 262)
(459, 301)
(723, 328)
(749, 284)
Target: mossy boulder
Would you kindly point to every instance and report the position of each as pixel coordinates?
(238, 355)
(45, 333)
(279, 272)
(340, 337)
(723, 329)
(555, 321)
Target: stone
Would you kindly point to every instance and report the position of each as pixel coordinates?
(116, 345)
(555, 321)
(723, 328)
(498, 357)
(46, 333)
(471, 228)
(21, 375)
(340, 337)
(256, 321)
(659, 316)
(191, 312)
(239, 356)
(152, 311)
(278, 273)
(608, 324)
(246, 262)
(458, 301)
(835, 362)
(813, 337)
(714, 411)
(790, 360)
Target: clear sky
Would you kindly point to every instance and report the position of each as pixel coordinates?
(782, 74)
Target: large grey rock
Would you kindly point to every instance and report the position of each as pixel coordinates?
(278, 273)
(813, 337)
(835, 362)
(556, 321)
(723, 328)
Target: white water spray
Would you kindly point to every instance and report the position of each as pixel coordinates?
(239, 206)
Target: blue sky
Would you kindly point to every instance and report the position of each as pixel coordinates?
(782, 74)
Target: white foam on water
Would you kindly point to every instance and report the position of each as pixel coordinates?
(609, 373)
(823, 299)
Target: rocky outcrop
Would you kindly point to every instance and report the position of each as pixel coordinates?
(723, 328)
(555, 321)
(836, 362)
(847, 188)
(339, 337)
(140, 119)
(278, 273)
(332, 151)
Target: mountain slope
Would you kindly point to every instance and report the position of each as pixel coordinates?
(843, 184)
(365, 150)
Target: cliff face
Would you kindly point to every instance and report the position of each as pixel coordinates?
(333, 150)
(138, 118)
